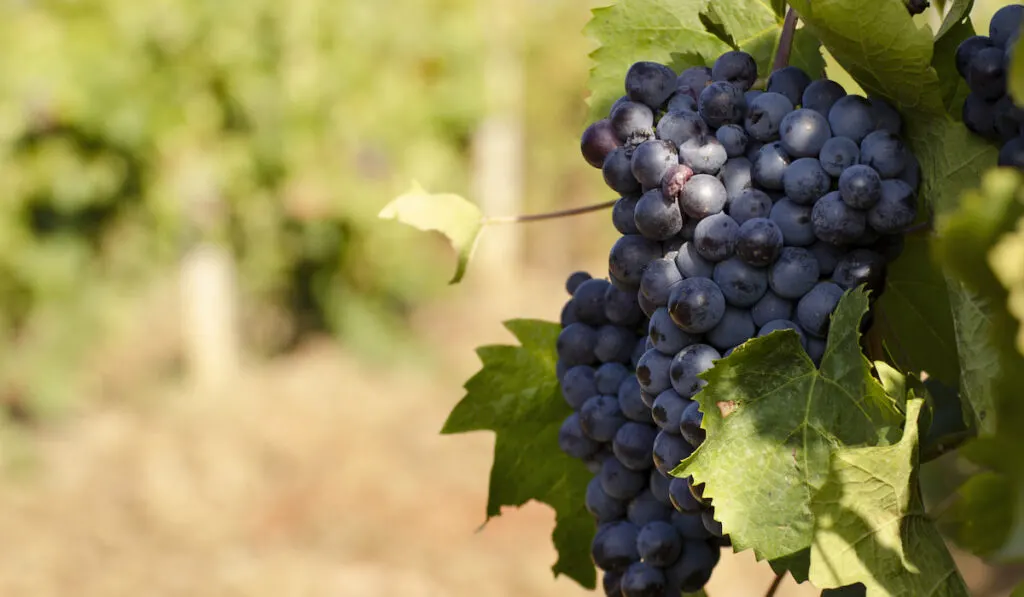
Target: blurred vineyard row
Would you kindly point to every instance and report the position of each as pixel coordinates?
(130, 130)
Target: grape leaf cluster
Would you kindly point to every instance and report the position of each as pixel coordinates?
(984, 62)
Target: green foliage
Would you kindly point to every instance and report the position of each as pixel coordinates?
(516, 395)
(773, 420)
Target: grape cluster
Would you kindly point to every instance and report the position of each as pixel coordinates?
(984, 61)
(644, 545)
(742, 212)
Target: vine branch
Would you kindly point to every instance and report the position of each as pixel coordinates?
(785, 41)
(562, 213)
(774, 588)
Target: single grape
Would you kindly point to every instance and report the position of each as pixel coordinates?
(815, 350)
(618, 174)
(721, 103)
(690, 526)
(838, 154)
(979, 116)
(688, 364)
(820, 95)
(851, 116)
(733, 138)
(651, 160)
(665, 335)
(693, 80)
(861, 266)
(677, 127)
(737, 176)
(737, 68)
(736, 327)
(764, 116)
(659, 488)
(614, 545)
(682, 499)
(782, 324)
(578, 384)
(986, 74)
(568, 315)
(795, 273)
(669, 451)
(696, 305)
(638, 351)
(1005, 24)
(805, 181)
(659, 543)
(646, 305)
(643, 580)
(681, 102)
(860, 186)
(794, 221)
(611, 582)
(600, 417)
(621, 307)
(608, 377)
(589, 301)
(886, 116)
(790, 81)
(740, 283)
(814, 310)
(574, 281)
(623, 215)
(769, 308)
(575, 345)
(656, 217)
(836, 222)
(827, 255)
(690, 425)
(632, 445)
(759, 242)
(691, 264)
(614, 345)
(598, 140)
(967, 49)
(629, 257)
(1007, 118)
(573, 441)
(629, 118)
(603, 507)
(884, 152)
(693, 570)
(770, 166)
(715, 236)
(659, 280)
(650, 83)
(747, 205)
(753, 148)
(703, 154)
(631, 402)
(619, 482)
(1012, 153)
(804, 132)
(896, 210)
(653, 372)
(667, 409)
(646, 508)
(713, 526)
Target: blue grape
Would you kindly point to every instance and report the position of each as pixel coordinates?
(827, 255)
(689, 525)
(674, 181)
(665, 335)
(690, 425)
(795, 273)
(651, 159)
(713, 526)
(978, 115)
(573, 441)
(618, 174)
(1012, 153)
(688, 364)
(608, 377)
(611, 582)
(703, 154)
(753, 148)
(967, 49)
(783, 324)
(747, 205)
(815, 349)
(575, 345)
(638, 351)
(758, 244)
(666, 410)
(614, 345)
(650, 83)
(696, 306)
(568, 315)
(620, 482)
(820, 95)
(805, 181)
(621, 307)
(646, 508)
(912, 173)
(691, 264)
(886, 117)
(643, 580)
(736, 176)
(896, 210)
(1006, 119)
(682, 498)
(659, 543)
(737, 68)
(646, 305)
(589, 298)
(577, 385)
(659, 280)
(574, 280)
(669, 451)
(1005, 24)
(614, 545)
(658, 485)
(804, 132)
(629, 257)
(836, 222)
(860, 186)
(721, 103)
(623, 215)
(693, 570)
(851, 116)
(715, 237)
(814, 310)
(597, 141)
(765, 114)
(838, 154)
(632, 445)
(861, 266)
(677, 127)
(600, 417)
(770, 166)
(790, 81)
(631, 402)
(702, 196)
(794, 221)
(770, 307)
(656, 217)
(733, 138)
(603, 507)
(693, 80)
(735, 328)
(740, 283)
(884, 152)
(652, 372)
(630, 118)
(681, 102)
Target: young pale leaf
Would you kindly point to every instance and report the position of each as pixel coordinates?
(871, 527)
(772, 421)
(516, 395)
(459, 220)
(634, 30)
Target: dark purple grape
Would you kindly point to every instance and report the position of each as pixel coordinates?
(1012, 153)
(782, 324)
(703, 154)
(733, 138)
(659, 543)
(736, 327)
(1005, 24)
(803, 133)
(600, 418)
(614, 345)
(795, 272)
(861, 266)
(769, 308)
(659, 280)
(860, 186)
(737, 68)
(646, 508)
(675, 180)
(669, 451)
(737, 176)
(666, 410)
(631, 401)
(967, 49)
(721, 103)
(896, 210)
(986, 74)
(764, 116)
(691, 264)
(693, 80)
(614, 545)
(759, 242)
(814, 310)
(656, 217)
(851, 116)
(618, 174)
(884, 152)
(886, 116)
(589, 301)
(575, 344)
(836, 222)
(650, 83)
(651, 160)
(643, 580)
(770, 166)
(696, 306)
(790, 81)
(978, 115)
(805, 181)
(619, 482)
(702, 196)
(715, 236)
(740, 283)
(630, 118)
(677, 127)
(794, 221)
(838, 154)
(747, 205)
(665, 335)
(632, 445)
(820, 95)
(688, 364)
(573, 441)
(598, 140)
(623, 215)
(653, 372)
(629, 257)
(827, 255)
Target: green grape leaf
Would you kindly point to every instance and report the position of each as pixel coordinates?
(977, 521)
(806, 54)
(634, 30)
(516, 395)
(1015, 82)
(957, 15)
(871, 527)
(459, 220)
(772, 419)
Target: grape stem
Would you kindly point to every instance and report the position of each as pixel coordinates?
(774, 586)
(785, 41)
(562, 213)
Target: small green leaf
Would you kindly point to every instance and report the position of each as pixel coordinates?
(782, 418)
(957, 15)
(1015, 83)
(634, 30)
(871, 527)
(977, 521)
(516, 395)
(459, 220)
